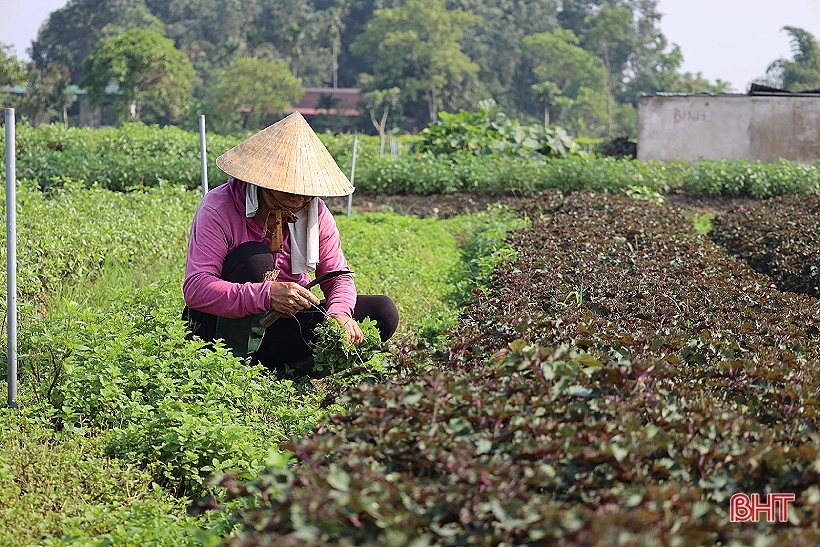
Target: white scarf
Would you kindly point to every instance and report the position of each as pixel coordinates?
(304, 235)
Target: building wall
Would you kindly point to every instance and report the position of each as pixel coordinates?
(764, 128)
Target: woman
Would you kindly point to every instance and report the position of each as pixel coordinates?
(255, 241)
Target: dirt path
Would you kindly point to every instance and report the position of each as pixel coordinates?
(716, 205)
(438, 205)
(448, 205)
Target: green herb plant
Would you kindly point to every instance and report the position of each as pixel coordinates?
(703, 223)
(334, 353)
(643, 193)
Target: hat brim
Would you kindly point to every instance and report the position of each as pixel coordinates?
(289, 157)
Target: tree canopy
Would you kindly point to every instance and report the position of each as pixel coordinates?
(417, 49)
(12, 70)
(250, 91)
(150, 72)
(569, 78)
(384, 100)
(440, 54)
(802, 72)
(495, 45)
(70, 33)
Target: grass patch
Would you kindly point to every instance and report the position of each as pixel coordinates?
(59, 484)
(404, 257)
(428, 266)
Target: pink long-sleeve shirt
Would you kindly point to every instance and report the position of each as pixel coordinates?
(220, 226)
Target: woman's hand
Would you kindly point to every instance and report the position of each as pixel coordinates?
(354, 333)
(288, 297)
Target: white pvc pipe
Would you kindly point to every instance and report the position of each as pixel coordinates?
(203, 155)
(11, 256)
(352, 174)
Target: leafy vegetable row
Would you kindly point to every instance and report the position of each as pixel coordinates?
(136, 155)
(621, 381)
(778, 237)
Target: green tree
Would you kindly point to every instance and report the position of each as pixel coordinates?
(150, 72)
(496, 45)
(209, 32)
(609, 38)
(335, 15)
(70, 33)
(46, 95)
(802, 72)
(296, 35)
(610, 32)
(381, 100)
(330, 115)
(294, 30)
(570, 80)
(13, 72)
(327, 102)
(251, 91)
(654, 63)
(640, 57)
(417, 49)
(355, 16)
(696, 83)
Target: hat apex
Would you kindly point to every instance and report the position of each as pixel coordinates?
(289, 157)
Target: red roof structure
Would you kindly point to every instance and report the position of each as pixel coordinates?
(346, 100)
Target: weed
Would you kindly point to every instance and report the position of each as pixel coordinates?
(703, 223)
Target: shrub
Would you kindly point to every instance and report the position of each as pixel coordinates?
(117, 158)
(428, 174)
(137, 155)
(489, 131)
(747, 178)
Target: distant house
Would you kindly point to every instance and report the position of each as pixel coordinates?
(766, 124)
(80, 111)
(343, 101)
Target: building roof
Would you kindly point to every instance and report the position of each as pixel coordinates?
(110, 89)
(755, 90)
(759, 89)
(348, 98)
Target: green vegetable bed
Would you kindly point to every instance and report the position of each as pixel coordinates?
(621, 381)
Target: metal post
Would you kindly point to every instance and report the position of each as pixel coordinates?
(352, 174)
(203, 155)
(11, 256)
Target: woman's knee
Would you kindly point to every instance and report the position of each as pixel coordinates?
(248, 263)
(381, 309)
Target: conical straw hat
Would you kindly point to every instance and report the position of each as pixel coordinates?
(287, 156)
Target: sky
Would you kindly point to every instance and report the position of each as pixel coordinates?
(734, 40)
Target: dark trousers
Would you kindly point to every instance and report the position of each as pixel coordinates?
(287, 341)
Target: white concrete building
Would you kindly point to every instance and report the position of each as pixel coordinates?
(763, 125)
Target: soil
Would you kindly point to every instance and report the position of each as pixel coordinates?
(448, 205)
(437, 205)
(716, 205)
